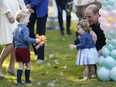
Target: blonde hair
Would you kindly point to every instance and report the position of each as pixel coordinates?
(93, 8)
(21, 14)
(84, 24)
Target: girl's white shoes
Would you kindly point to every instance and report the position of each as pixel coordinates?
(85, 78)
(93, 76)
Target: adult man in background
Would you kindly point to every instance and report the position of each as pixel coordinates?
(40, 8)
(92, 15)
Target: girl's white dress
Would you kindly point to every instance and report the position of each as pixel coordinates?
(6, 28)
(87, 56)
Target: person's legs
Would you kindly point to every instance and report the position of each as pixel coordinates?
(3, 56)
(92, 70)
(85, 72)
(19, 73)
(60, 18)
(68, 22)
(41, 28)
(27, 73)
(31, 25)
(68, 17)
(95, 68)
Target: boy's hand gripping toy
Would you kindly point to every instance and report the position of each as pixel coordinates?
(42, 39)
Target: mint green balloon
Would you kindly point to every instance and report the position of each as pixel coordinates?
(104, 2)
(113, 73)
(113, 42)
(110, 37)
(101, 61)
(104, 7)
(112, 32)
(108, 41)
(114, 6)
(105, 51)
(109, 7)
(104, 74)
(107, 4)
(109, 62)
(113, 54)
(110, 47)
(111, 2)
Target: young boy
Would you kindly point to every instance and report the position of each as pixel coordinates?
(21, 42)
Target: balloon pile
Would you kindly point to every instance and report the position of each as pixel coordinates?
(107, 62)
(108, 14)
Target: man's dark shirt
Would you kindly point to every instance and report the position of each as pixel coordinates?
(100, 36)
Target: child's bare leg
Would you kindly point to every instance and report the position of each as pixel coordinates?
(92, 69)
(27, 73)
(28, 66)
(85, 73)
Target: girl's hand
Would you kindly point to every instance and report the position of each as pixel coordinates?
(71, 46)
(10, 17)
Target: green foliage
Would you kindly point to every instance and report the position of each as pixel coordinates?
(57, 71)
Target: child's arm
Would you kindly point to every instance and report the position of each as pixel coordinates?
(82, 42)
(27, 38)
(71, 46)
(94, 36)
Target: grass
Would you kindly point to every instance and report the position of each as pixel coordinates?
(59, 71)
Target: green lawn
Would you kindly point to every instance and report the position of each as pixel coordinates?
(59, 71)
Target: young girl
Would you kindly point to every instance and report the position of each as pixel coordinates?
(87, 53)
(77, 39)
(21, 42)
